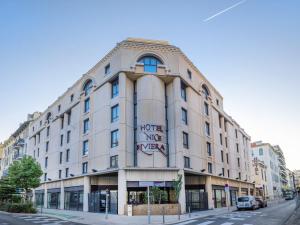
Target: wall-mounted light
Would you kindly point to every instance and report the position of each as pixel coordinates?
(220, 174)
(237, 178)
(202, 171)
(49, 179)
(94, 170)
(72, 175)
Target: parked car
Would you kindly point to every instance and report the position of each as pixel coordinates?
(247, 202)
(262, 203)
(289, 196)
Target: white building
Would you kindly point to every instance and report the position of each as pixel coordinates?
(266, 153)
(141, 116)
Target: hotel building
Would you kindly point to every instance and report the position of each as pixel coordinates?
(140, 117)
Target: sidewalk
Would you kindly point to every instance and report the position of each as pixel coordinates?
(295, 217)
(99, 218)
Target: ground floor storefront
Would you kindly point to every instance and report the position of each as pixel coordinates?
(126, 192)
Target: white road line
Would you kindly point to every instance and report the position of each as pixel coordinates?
(206, 223)
(236, 218)
(247, 224)
(186, 222)
(226, 223)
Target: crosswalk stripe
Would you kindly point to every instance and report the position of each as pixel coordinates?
(206, 223)
(186, 222)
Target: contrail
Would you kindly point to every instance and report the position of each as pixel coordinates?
(225, 10)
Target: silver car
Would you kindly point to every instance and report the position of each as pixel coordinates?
(247, 202)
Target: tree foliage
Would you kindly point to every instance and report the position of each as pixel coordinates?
(25, 173)
(177, 185)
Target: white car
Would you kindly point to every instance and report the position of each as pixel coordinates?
(247, 202)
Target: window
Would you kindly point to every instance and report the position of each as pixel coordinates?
(107, 69)
(59, 174)
(209, 167)
(227, 158)
(87, 88)
(222, 156)
(34, 154)
(114, 113)
(237, 147)
(114, 138)
(87, 105)
(221, 139)
(208, 146)
(48, 131)
(238, 161)
(206, 109)
(58, 108)
(228, 173)
(67, 172)
(240, 177)
(187, 162)
(184, 116)
(115, 88)
(84, 168)
(236, 133)
(69, 117)
(32, 128)
(61, 140)
(62, 122)
(39, 137)
(45, 176)
(71, 98)
(60, 157)
(189, 74)
(185, 138)
(41, 123)
(220, 121)
(46, 162)
(205, 91)
(85, 147)
(217, 101)
(183, 91)
(47, 146)
(114, 161)
(38, 152)
(223, 172)
(86, 126)
(67, 155)
(261, 151)
(68, 136)
(226, 142)
(207, 129)
(150, 63)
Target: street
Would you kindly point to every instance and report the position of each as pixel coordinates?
(272, 215)
(22, 219)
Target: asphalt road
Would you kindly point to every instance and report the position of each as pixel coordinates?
(272, 215)
(21, 219)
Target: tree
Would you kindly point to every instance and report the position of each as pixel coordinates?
(177, 185)
(7, 191)
(158, 195)
(25, 174)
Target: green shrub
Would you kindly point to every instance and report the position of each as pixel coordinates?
(18, 207)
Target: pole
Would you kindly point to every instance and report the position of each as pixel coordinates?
(106, 205)
(148, 197)
(163, 215)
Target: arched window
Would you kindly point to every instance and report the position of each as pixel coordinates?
(87, 87)
(205, 91)
(150, 63)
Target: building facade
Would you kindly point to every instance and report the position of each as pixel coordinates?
(290, 180)
(15, 147)
(266, 153)
(297, 179)
(259, 173)
(143, 115)
(282, 168)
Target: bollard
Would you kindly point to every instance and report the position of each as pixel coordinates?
(189, 211)
(163, 215)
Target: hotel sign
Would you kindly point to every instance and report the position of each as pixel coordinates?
(150, 138)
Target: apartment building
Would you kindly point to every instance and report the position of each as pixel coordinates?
(297, 179)
(265, 152)
(15, 147)
(259, 173)
(141, 116)
(290, 180)
(282, 168)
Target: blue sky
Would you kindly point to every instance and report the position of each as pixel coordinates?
(251, 54)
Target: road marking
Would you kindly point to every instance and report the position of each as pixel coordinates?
(226, 223)
(236, 218)
(247, 224)
(206, 223)
(186, 222)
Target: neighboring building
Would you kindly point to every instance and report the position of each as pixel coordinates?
(290, 180)
(259, 173)
(141, 116)
(297, 179)
(266, 153)
(282, 168)
(1, 152)
(15, 147)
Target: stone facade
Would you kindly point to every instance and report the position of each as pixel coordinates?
(138, 118)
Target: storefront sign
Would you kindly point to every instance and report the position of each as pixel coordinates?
(150, 138)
